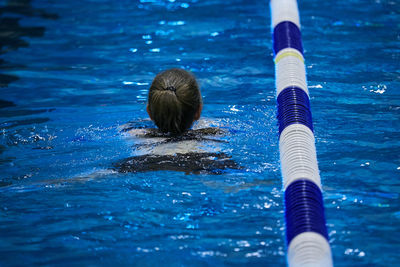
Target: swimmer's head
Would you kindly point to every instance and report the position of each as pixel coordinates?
(174, 101)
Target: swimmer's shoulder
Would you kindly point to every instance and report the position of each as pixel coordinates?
(140, 129)
(152, 133)
(143, 131)
(209, 131)
(200, 130)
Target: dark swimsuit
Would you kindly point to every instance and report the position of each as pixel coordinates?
(191, 162)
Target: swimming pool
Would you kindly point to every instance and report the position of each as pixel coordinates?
(74, 72)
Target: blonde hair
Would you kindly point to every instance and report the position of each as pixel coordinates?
(174, 99)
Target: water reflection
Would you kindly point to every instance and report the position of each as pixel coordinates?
(12, 37)
(24, 7)
(6, 104)
(12, 33)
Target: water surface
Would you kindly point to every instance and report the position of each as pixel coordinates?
(74, 72)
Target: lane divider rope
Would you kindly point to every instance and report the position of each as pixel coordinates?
(306, 233)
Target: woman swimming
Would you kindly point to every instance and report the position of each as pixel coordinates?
(174, 104)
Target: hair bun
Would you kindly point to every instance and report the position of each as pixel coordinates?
(171, 88)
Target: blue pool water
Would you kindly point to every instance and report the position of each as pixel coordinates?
(74, 72)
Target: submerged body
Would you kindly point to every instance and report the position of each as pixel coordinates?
(195, 151)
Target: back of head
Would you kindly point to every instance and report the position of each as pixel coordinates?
(174, 99)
